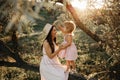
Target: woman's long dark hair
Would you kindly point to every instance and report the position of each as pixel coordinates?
(49, 40)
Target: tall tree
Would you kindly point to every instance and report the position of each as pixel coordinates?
(80, 24)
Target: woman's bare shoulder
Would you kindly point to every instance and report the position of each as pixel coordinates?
(45, 43)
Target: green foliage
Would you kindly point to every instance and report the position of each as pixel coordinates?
(30, 51)
(17, 74)
(92, 58)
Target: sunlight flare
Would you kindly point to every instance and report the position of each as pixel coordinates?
(80, 5)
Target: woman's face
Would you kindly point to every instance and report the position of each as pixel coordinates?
(53, 33)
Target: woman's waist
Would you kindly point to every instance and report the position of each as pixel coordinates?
(47, 60)
(46, 57)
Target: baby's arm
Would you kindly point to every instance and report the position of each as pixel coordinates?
(68, 40)
(61, 29)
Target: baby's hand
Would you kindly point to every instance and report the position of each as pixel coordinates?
(59, 27)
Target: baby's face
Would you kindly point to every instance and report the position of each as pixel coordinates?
(66, 29)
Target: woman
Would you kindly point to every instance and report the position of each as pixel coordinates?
(50, 66)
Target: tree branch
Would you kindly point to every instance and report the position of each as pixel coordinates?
(80, 24)
(23, 65)
(19, 61)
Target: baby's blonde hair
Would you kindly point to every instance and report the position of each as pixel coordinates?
(70, 25)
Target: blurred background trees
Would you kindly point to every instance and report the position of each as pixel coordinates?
(21, 22)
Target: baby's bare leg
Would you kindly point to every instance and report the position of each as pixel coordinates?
(72, 63)
(68, 65)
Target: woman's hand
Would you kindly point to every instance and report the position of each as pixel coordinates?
(61, 47)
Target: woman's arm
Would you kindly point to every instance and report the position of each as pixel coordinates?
(49, 51)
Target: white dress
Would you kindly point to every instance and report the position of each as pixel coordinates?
(52, 69)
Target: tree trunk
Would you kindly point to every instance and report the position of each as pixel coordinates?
(80, 24)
